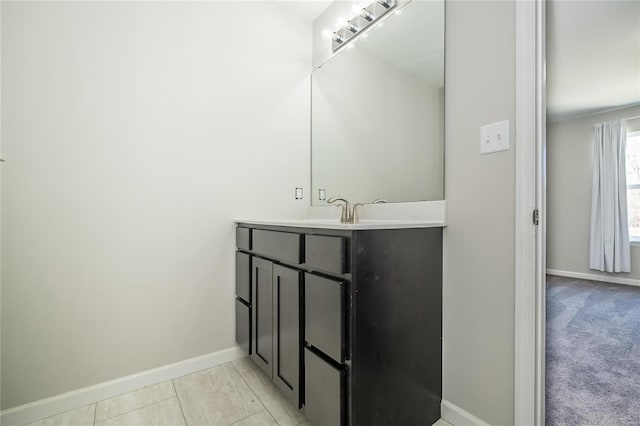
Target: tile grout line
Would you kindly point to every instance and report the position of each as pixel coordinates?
(245, 418)
(133, 409)
(179, 402)
(254, 392)
(139, 389)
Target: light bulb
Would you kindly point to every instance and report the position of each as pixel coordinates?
(366, 15)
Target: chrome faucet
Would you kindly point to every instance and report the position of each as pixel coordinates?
(349, 211)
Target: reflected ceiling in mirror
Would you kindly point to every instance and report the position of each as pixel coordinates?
(378, 111)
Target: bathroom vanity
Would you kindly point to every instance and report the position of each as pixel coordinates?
(345, 319)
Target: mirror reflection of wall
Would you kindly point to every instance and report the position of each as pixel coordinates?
(593, 76)
(378, 112)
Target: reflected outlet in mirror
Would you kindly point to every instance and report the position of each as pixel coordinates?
(378, 112)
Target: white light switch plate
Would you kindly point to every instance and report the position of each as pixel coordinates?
(494, 137)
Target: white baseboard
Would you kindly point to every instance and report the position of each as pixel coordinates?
(79, 398)
(457, 416)
(594, 277)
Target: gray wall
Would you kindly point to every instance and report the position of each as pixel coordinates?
(479, 241)
(478, 353)
(134, 132)
(569, 168)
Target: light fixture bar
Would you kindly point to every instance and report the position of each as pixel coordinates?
(368, 16)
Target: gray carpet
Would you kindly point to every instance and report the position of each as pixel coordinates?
(593, 353)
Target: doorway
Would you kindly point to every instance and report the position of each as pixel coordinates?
(592, 318)
(530, 277)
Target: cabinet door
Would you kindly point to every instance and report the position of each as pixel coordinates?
(262, 304)
(287, 332)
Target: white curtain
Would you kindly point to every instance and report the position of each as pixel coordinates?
(609, 249)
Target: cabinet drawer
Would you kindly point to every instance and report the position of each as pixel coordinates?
(325, 315)
(326, 253)
(279, 245)
(243, 238)
(243, 326)
(243, 276)
(324, 391)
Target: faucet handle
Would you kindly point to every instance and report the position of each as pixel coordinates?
(345, 217)
(334, 199)
(354, 214)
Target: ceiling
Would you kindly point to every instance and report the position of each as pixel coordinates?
(593, 56)
(306, 9)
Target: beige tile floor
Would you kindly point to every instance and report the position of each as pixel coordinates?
(237, 393)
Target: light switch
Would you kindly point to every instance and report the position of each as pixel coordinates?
(494, 137)
(322, 194)
(298, 193)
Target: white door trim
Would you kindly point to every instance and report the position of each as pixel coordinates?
(530, 245)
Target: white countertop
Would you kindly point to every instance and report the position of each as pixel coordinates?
(335, 224)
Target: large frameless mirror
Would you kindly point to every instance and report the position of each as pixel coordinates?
(378, 111)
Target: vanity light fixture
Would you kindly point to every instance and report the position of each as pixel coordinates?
(357, 24)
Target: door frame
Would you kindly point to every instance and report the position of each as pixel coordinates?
(529, 366)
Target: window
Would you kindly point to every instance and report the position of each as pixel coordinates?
(633, 184)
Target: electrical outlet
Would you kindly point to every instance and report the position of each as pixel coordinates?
(494, 137)
(322, 194)
(298, 193)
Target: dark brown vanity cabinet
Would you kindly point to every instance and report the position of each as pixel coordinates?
(347, 323)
